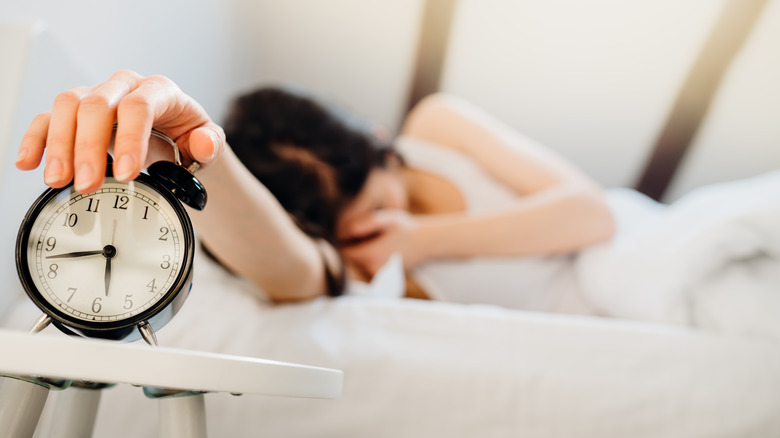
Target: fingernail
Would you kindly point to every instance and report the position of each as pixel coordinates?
(53, 172)
(214, 141)
(22, 155)
(125, 167)
(84, 177)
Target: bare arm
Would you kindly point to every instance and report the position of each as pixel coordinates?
(561, 220)
(247, 229)
(242, 224)
(561, 209)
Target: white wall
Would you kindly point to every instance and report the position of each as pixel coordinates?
(593, 79)
(354, 51)
(357, 52)
(183, 39)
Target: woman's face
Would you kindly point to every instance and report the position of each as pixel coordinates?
(384, 189)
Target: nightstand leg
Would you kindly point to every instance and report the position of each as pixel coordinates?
(183, 416)
(21, 404)
(75, 412)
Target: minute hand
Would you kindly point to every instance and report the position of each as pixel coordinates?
(70, 255)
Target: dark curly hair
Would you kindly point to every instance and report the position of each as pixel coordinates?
(313, 156)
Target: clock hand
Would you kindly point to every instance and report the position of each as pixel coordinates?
(109, 252)
(113, 233)
(108, 273)
(69, 255)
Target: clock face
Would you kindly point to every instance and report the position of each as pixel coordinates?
(106, 257)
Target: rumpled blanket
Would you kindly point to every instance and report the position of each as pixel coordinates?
(710, 259)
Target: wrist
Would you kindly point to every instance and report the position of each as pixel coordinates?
(421, 243)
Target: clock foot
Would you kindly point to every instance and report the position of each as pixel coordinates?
(147, 332)
(41, 323)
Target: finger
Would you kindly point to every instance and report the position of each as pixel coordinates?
(359, 228)
(33, 143)
(206, 143)
(135, 117)
(156, 102)
(60, 137)
(95, 121)
(369, 224)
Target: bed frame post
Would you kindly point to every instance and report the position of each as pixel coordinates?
(693, 100)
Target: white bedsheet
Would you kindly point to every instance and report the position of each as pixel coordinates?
(426, 369)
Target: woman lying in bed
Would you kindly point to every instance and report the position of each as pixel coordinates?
(320, 197)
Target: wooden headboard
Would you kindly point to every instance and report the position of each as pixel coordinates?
(695, 96)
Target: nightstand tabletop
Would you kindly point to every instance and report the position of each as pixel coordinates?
(139, 364)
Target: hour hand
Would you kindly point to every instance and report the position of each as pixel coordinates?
(108, 274)
(70, 255)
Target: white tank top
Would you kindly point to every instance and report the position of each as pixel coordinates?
(530, 283)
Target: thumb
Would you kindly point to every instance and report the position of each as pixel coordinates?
(364, 226)
(206, 143)
(367, 225)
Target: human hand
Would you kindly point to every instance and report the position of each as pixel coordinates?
(370, 240)
(77, 131)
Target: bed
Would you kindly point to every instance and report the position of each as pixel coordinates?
(418, 369)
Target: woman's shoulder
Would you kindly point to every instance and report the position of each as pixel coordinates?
(445, 180)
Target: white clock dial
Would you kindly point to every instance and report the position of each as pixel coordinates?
(107, 256)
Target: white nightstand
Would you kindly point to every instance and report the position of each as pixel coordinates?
(178, 378)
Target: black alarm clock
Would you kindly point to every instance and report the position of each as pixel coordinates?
(117, 263)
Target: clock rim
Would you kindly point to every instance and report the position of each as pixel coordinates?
(106, 329)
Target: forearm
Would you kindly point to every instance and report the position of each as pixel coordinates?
(247, 229)
(558, 220)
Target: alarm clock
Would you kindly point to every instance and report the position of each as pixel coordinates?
(117, 263)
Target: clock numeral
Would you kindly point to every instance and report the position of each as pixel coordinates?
(166, 262)
(164, 231)
(72, 291)
(97, 306)
(128, 302)
(53, 271)
(90, 206)
(146, 212)
(70, 220)
(51, 242)
(151, 286)
(121, 202)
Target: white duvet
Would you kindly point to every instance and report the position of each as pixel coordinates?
(711, 259)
